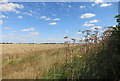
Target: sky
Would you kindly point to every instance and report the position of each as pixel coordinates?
(49, 22)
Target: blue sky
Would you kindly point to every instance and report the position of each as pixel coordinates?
(50, 21)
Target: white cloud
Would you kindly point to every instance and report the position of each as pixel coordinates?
(93, 4)
(4, 1)
(87, 24)
(54, 23)
(1, 22)
(42, 17)
(54, 40)
(13, 31)
(82, 6)
(54, 15)
(87, 15)
(102, 31)
(78, 33)
(99, 1)
(7, 7)
(27, 14)
(105, 5)
(31, 11)
(64, 34)
(7, 28)
(48, 19)
(3, 16)
(2, 36)
(17, 11)
(115, 26)
(69, 6)
(96, 27)
(56, 19)
(11, 34)
(20, 17)
(34, 33)
(66, 31)
(29, 29)
(102, 5)
(94, 21)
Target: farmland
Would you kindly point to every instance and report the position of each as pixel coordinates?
(23, 50)
(22, 61)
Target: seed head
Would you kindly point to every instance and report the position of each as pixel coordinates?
(96, 28)
(65, 37)
(107, 31)
(83, 31)
(73, 39)
(80, 40)
(88, 30)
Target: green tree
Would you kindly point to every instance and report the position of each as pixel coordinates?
(118, 20)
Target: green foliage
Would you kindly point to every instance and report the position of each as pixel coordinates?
(5, 62)
(91, 66)
(102, 63)
(117, 16)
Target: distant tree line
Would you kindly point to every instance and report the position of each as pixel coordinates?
(28, 43)
(6, 43)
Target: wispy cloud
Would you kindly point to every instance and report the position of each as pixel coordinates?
(87, 15)
(7, 7)
(93, 4)
(11, 34)
(54, 14)
(56, 19)
(4, 1)
(20, 17)
(29, 29)
(69, 6)
(87, 24)
(29, 14)
(13, 31)
(2, 36)
(82, 6)
(98, 1)
(78, 33)
(7, 28)
(66, 31)
(42, 17)
(54, 23)
(48, 19)
(34, 33)
(102, 31)
(1, 22)
(94, 21)
(17, 11)
(105, 4)
(3, 16)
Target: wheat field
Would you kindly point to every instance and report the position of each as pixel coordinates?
(10, 51)
(30, 61)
